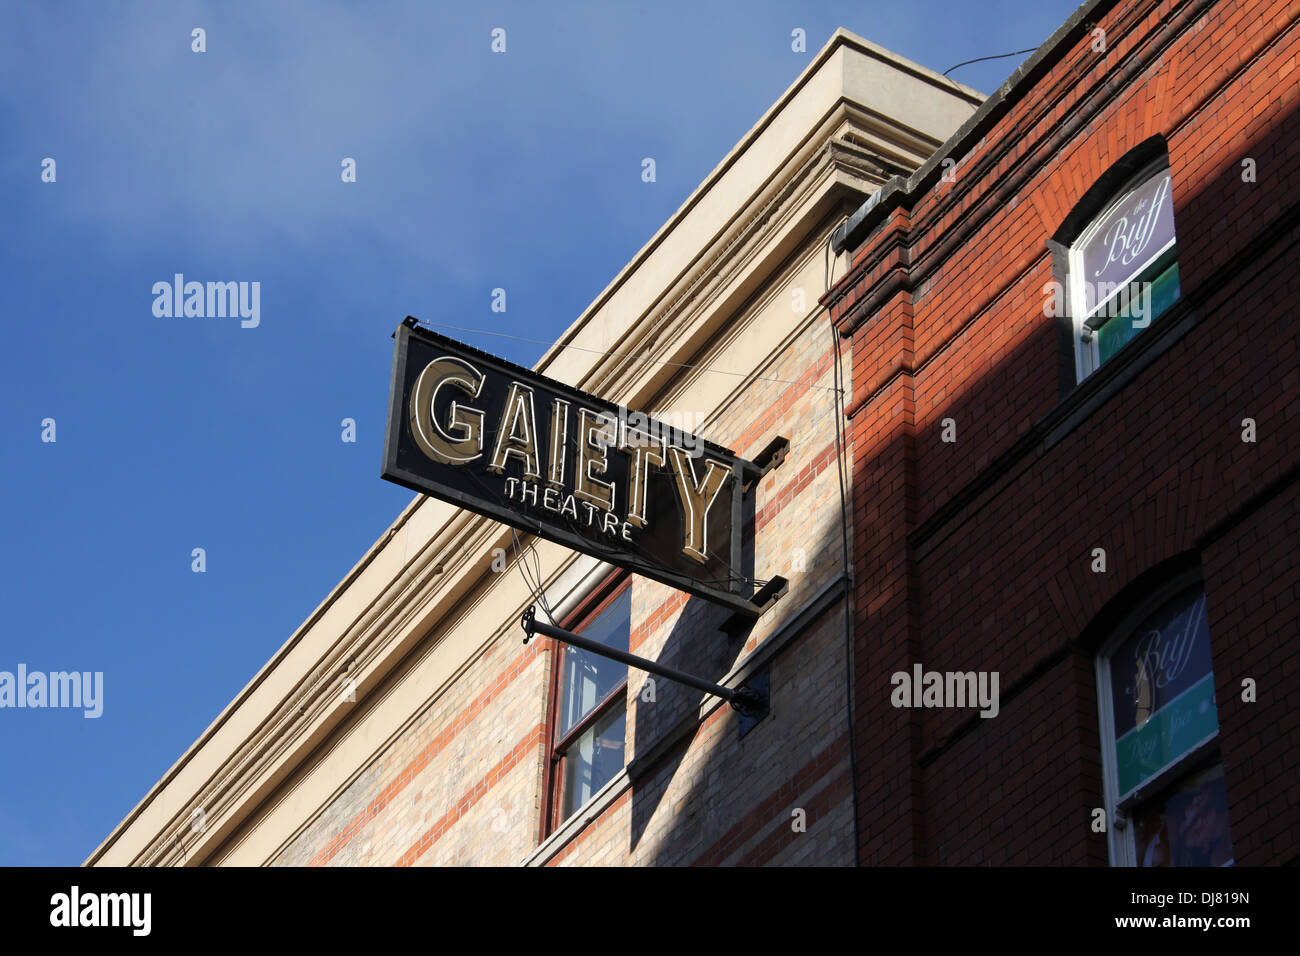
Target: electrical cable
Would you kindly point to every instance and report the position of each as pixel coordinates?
(534, 587)
(541, 592)
(849, 656)
(638, 358)
(981, 59)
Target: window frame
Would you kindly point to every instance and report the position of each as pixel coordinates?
(1120, 815)
(1086, 340)
(602, 595)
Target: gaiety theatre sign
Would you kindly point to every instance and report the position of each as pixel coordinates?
(502, 441)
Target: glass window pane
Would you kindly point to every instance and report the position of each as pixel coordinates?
(1162, 691)
(1120, 330)
(1189, 827)
(585, 678)
(594, 758)
(1164, 290)
(1114, 335)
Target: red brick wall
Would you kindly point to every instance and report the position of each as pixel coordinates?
(976, 554)
(1254, 609)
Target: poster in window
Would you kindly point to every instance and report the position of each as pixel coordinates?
(1162, 690)
(1189, 827)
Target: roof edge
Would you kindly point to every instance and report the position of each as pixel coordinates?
(899, 189)
(842, 37)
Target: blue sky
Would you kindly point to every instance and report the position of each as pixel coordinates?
(474, 171)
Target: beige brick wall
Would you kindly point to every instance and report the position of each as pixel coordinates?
(463, 784)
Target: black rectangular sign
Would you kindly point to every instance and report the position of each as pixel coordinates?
(505, 442)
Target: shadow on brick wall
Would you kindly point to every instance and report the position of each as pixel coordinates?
(976, 555)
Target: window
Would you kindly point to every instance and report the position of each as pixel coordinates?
(588, 705)
(1165, 791)
(1123, 267)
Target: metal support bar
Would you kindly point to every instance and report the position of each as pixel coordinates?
(770, 457)
(763, 599)
(744, 700)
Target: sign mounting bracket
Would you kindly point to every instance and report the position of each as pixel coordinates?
(750, 702)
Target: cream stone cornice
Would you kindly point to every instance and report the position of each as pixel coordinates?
(849, 75)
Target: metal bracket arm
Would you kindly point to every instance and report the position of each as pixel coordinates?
(744, 700)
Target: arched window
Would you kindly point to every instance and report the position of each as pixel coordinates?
(1123, 266)
(1166, 800)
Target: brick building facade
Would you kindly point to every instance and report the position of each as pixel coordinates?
(1028, 502)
